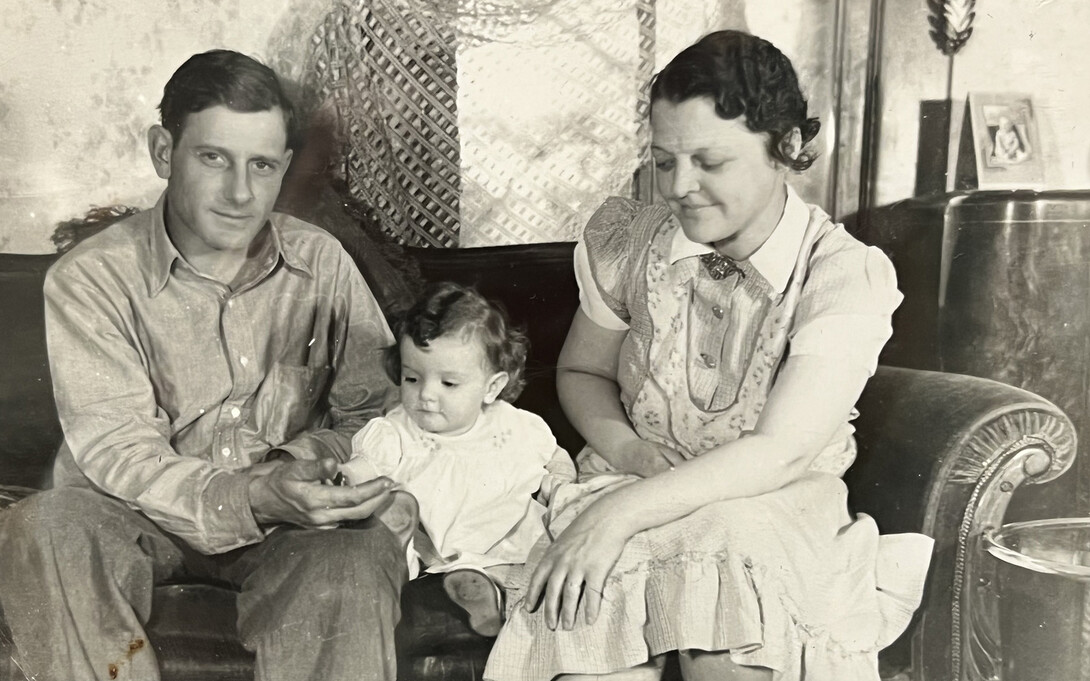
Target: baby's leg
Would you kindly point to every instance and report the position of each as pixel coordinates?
(400, 516)
(479, 596)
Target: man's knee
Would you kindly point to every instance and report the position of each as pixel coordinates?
(317, 578)
(367, 554)
(60, 517)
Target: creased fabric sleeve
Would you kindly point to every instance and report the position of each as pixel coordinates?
(590, 297)
(603, 276)
(847, 312)
(117, 435)
(359, 387)
(376, 451)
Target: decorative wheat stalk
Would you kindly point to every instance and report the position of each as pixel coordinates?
(951, 25)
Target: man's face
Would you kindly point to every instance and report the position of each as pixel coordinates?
(223, 177)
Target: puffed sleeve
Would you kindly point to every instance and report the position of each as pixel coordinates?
(376, 451)
(543, 452)
(540, 444)
(602, 263)
(846, 307)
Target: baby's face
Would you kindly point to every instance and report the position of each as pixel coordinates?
(445, 385)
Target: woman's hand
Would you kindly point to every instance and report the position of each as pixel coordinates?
(646, 459)
(575, 569)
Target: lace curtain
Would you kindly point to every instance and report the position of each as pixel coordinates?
(481, 123)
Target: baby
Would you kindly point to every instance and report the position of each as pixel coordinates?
(480, 469)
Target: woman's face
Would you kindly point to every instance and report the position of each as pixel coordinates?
(716, 176)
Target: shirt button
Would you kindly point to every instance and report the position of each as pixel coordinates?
(235, 412)
(226, 451)
(243, 361)
(717, 311)
(708, 360)
(231, 303)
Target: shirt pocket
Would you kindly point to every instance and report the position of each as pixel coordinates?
(287, 401)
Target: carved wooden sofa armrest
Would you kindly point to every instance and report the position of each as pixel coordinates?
(942, 454)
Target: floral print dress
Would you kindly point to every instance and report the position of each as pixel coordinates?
(788, 580)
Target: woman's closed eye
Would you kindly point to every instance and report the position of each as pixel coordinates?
(712, 163)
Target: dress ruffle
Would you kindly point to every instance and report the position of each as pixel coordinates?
(727, 579)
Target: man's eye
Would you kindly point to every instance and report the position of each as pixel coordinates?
(264, 167)
(213, 159)
(665, 165)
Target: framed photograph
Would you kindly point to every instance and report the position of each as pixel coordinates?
(1006, 143)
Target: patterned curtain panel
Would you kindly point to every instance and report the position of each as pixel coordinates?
(471, 123)
(390, 74)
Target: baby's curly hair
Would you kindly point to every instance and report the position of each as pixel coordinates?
(447, 308)
(745, 76)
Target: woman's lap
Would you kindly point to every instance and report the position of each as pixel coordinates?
(761, 577)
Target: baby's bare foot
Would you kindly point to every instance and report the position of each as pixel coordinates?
(475, 593)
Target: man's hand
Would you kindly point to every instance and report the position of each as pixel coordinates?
(293, 493)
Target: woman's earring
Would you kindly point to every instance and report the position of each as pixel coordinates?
(792, 144)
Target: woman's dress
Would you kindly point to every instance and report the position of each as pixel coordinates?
(788, 580)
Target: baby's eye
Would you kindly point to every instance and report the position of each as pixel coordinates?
(408, 379)
(450, 384)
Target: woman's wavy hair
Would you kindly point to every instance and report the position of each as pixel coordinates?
(448, 308)
(745, 76)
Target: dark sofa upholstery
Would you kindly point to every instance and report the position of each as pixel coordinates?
(938, 453)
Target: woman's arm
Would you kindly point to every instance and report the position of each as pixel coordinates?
(811, 399)
(586, 383)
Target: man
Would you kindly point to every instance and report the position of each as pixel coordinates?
(211, 360)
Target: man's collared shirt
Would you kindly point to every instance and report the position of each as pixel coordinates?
(168, 382)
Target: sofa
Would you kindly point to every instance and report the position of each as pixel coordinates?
(939, 453)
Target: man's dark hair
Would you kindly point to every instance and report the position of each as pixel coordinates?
(223, 78)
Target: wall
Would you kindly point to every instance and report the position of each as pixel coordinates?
(1036, 47)
(81, 79)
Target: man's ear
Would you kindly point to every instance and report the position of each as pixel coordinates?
(496, 384)
(160, 146)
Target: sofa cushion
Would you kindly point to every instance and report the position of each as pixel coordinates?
(28, 417)
(192, 630)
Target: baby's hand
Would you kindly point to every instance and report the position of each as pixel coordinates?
(355, 471)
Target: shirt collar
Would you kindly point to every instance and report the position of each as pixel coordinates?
(163, 252)
(775, 259)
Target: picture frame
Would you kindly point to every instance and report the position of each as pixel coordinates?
(1006, 142)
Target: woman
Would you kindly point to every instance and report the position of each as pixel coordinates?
(721, 343)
